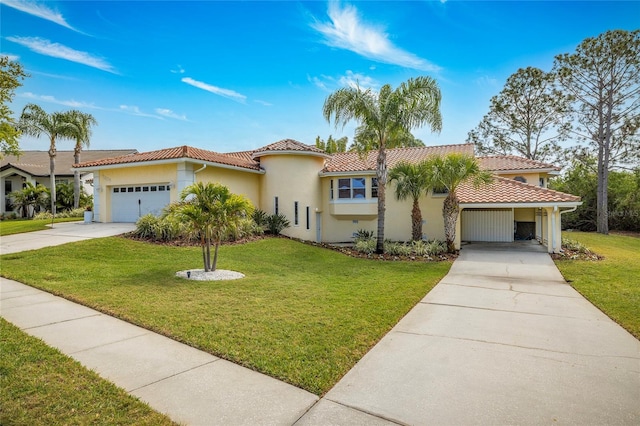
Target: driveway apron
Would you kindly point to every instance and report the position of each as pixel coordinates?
(502, 339)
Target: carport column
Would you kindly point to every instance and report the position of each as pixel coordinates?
(184, 178)
(458, 239)
(97, 194)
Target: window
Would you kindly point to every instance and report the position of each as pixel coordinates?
(161, 188)
(331, 189)
(520, 179)
(374, 187)
(130, 189)
(541, 180)
(116, 190)
(308, 218)
(296, 220)
(275, 205)
(138, 189)
(145, 189)
(440, 191)
(351, 188)
(154, 188)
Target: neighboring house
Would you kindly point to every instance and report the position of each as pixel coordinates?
(329, 197)
(33, 167)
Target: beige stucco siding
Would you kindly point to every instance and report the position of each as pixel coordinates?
(292, 178)
(238, 182)
(531, 178)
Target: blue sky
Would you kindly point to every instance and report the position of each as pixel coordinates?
(231, 76)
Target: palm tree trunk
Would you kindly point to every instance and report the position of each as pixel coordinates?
(381, 173)
(416, 221)
(208, 254)
(215, 256)
(52, 171)
(76, 179)
(450, 212)
(204, 253)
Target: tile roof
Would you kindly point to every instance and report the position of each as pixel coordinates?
(512, 162)
(36, 163)
(288, 145)
(353, 162)
(503, 190)
(179, 152)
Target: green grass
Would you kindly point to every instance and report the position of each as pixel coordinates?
(41, 386)
(303, 314)
(612, 284)
(18, 226)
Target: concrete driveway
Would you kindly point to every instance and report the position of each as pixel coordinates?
(61, 233)
(502, 339)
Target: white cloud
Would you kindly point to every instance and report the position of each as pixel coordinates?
(350, 79)
(265, 103)
(10, 57)
(347, 31)
(165, 112)
(52, 99)
(57, 50)
(39, 10)
(227, 93)
(486, 81)
(134, 110)
(179, 70)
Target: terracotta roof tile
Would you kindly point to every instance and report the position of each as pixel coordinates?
(503, 190)
(288, 145)
(353, 162)
(36, 163)
(512, 162)
(177, 153)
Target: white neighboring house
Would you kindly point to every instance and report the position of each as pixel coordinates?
(33, 167)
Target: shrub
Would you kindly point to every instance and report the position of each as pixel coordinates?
(43, 215)
(362, 234)
(396, 249)
(366, 246)
(573, 245)
(147, 227)
(276, 223)
(436, 247)
(261, 218)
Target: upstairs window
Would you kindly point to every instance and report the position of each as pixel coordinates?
(351, 188)
(331, 189)
(374, 187)
(520, 179)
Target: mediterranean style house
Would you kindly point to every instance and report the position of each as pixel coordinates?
(329, 197)
(33, 167)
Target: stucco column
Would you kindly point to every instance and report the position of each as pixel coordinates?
(98, 193)
(184, 176)
(458, 240)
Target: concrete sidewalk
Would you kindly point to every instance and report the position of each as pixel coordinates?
(502, 339)
(190, 386)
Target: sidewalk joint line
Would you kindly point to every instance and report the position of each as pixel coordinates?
(398, 422)
(175, 374)
(510, 289)
(505, 310)
(145, 333)
(63, 321)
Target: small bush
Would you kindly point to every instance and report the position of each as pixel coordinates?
(397, 249)
(362, 234)
(276, 223)
(436, 247)
(261, 218)
(366, 246)
(147, 227)
(42, 216)
(573, 245)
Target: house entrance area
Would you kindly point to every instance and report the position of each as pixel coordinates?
(498, 225)
(130, 202)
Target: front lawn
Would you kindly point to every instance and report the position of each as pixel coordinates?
(612, 284)
(303, 314)
(18, 226)
(41, 386)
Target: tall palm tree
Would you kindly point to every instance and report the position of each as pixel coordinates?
(82, 123)
(411, 182)
(414, 103)
(448, 173)
(212, 210)
(34, 121)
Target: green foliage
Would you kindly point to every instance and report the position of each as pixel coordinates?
(574, 245)
(75, 213)
(30, 199)
(412, 181)
(527, 118)
(276, 223)
(366, 140)
(11, 76)
(418, 248)
(366, 246)
(261, 218)
(363, 234)
(332, 145)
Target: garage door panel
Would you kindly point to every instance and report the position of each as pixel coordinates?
(129, 202)
(487, 225)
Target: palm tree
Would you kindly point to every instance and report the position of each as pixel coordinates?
(414, 103)
(212, 210)
(81, 133)
(411, 182)
(34, 121)
(29, 198)
(448, 173)
(365, 140)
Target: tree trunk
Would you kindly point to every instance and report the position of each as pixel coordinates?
(416, 221)
(203, 244)
(76, 180)
(208, 268)
(602, 214)
(215, 256)
(52, 171)
(381, 172)
(450, 212)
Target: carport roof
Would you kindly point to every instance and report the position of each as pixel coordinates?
(509, 191)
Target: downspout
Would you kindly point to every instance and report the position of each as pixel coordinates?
(204, 166)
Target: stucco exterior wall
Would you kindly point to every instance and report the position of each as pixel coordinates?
(238, 182)
(532, 178)
(524, 215)
(104, 180)
(292, 178)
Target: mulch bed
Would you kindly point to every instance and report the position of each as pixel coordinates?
(576, 255)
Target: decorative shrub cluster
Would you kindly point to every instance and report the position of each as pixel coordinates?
(365, 243)
(67, 213)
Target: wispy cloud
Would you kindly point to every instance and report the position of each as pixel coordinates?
(227, 93)
(165, 112)
(347, 31)
(265, 103)
(350, 79)
(135, 110)
(52, 99)
(178, 70)
(11, 57)
(486, 81)
(39, 10)
(57, 50)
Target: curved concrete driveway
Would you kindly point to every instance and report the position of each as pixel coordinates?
(61, 233)
(502, 339)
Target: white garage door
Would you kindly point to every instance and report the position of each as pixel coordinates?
(492, 225)
(130, 202)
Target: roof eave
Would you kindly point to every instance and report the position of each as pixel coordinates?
(259, 154)
(348, 173)
(521, 204)
(169, 161)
